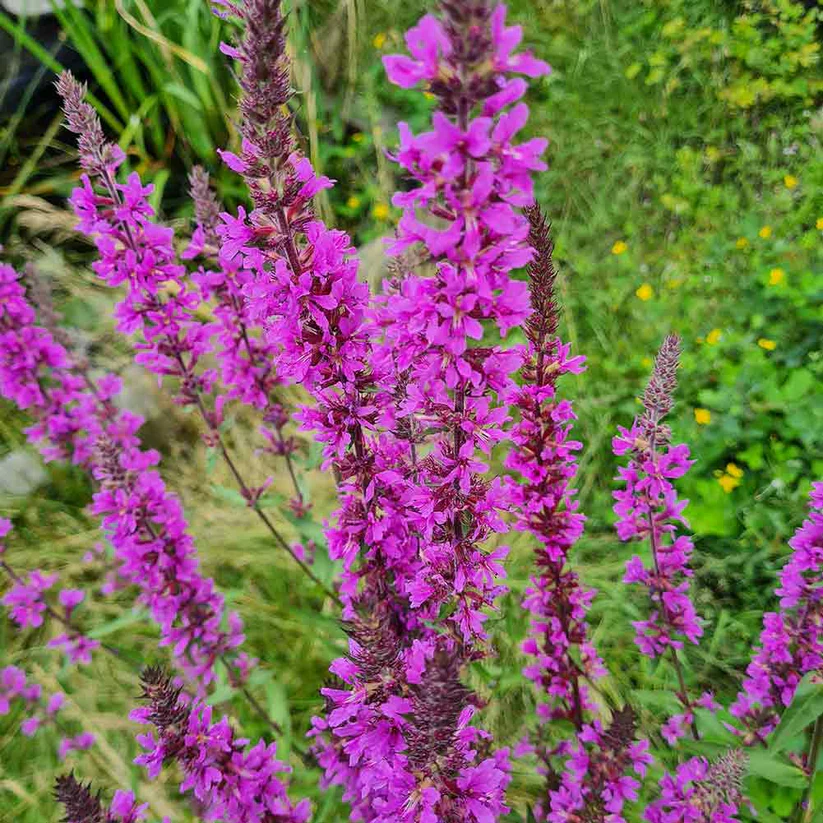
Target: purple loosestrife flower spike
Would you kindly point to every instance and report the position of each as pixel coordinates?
(158, 303)
(444, 406)
(649, 508)
(206, 206)
(230, 780)
(81, 806)
(97, 156)
(144, 522)
(247, 360)
(701, 792)
(596, 785)
(544, 457)
(791, 643)
(17, 690)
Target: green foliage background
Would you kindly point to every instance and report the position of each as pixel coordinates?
(685, 191)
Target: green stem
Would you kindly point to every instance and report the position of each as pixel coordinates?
(804, 811)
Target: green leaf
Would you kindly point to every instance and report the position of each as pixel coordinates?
(184, 94)
(127, 619)
(277, 705)
(222, 694)
(799, 383)
(229, 495)
(307, 528)
(776, 770)
(712, 729)
(805, 708)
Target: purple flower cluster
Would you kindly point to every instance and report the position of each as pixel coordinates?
(410, 394)
(39, 377)
(596, 783)
(700, 792)
(147, 528)
(26, 600)
(81, 806)
(417, 534)
(791, 643)
(145, 523)
(40, 712)
(231, 781)
(135, 251)
(544, 457)
(247, 359)
(648, 508)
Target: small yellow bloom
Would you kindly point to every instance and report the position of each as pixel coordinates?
(734, 470)
(619, 247)
(765, 232)
(353, 202)
(790, 181)
(728, 482)
(765, 343)
(357, 137)
(647, 362)
(776, 277)
(379, 40)
(702, 417)
(380, 211)
(741, 243)
(713, 337)
(645, 292)
(819, 224)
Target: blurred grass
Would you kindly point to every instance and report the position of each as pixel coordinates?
(650, 147)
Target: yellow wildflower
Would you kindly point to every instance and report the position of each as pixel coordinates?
(380, 211)
(702, 417)
(765, 343)
(765, 232)
(819, 223)
(647, 362)
(713, 337)
(379, 40)
(619, 247)
(645, 292)
(790, 181)
(734, 470)
(353, 202)
(728, 482)
(776, 277)
(741, 243)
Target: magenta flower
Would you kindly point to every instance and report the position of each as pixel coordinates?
(649, 508)
(414, 527)
(231, 781)
(700, 791)
(25, 600)
(595, 784)
(145, 523)
(791, 643)
(81, 806)
(15, 688)
(544, 457)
